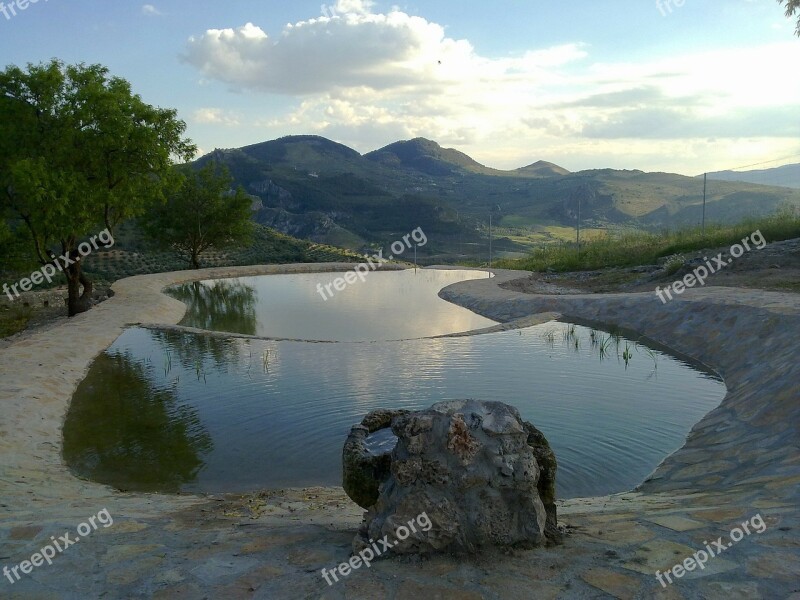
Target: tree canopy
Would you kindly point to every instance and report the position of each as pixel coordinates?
(203, 213)
(79, 151)
(792, 8)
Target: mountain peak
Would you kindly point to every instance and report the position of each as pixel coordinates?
(299, 148)
(542, 168)
(427, 156)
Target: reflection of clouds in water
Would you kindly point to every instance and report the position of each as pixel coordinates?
(367, 367)
(609, 425)
(387, 305)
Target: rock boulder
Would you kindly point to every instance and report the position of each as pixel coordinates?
(482, 476)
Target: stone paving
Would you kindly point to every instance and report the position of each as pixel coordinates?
(740, 462)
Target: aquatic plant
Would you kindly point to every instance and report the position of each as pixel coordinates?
(627, 355)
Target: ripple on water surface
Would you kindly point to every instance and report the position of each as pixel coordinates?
(170, 410)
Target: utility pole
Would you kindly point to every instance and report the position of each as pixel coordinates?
(490, 240)
(579, 223)
(460, 240)
(705, 179)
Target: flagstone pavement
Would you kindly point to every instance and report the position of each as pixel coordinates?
(741, 461)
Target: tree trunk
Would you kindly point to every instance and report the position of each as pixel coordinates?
(195, 260)
(78, 301)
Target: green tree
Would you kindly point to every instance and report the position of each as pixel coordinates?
(78, 152)
(202, 214)
(792, 7)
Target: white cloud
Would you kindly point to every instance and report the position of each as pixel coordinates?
(151, 11)
(381, 52)
(366, 79)
(356, 7)
(215, 116)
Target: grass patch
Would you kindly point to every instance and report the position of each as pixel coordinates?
(792, 286)
(641, 248)
(14, 319)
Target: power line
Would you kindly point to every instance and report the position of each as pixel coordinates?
(764, 163)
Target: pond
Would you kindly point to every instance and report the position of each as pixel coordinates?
(387, 305)
(169, 410)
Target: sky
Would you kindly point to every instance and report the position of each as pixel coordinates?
(683, 86)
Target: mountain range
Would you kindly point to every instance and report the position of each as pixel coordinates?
(313, 188)
(786, 176)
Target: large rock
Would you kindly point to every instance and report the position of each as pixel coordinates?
(366, 458)
(481, 475)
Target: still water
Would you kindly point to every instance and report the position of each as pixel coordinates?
(387, 305)
(176, 411)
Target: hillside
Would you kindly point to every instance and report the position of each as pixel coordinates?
(316, 189)
(787, 176)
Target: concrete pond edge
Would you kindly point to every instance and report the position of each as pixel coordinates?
(742, 458)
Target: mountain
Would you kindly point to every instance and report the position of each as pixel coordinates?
(542, 168)
(428, 157)
(316, 189)
(786, 176)
(309, 150)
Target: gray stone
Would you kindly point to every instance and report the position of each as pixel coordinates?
(481, 475)
(364, 463)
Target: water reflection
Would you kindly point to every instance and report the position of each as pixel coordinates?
(279, 411)
(198, 353)
(218, 305)
(389, 305)
(125, 431)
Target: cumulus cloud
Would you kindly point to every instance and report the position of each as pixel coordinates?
(366, 79)
(356, 49)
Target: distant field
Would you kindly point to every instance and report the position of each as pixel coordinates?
(623, 249)
(534, 237)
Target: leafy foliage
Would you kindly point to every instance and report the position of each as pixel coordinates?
(792, 7)
(78, 152)
(201, 215)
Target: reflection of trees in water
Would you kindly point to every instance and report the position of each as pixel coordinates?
(221, 305)
(124, 431)
(192, 350)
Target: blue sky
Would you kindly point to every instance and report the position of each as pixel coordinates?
(701, 86)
